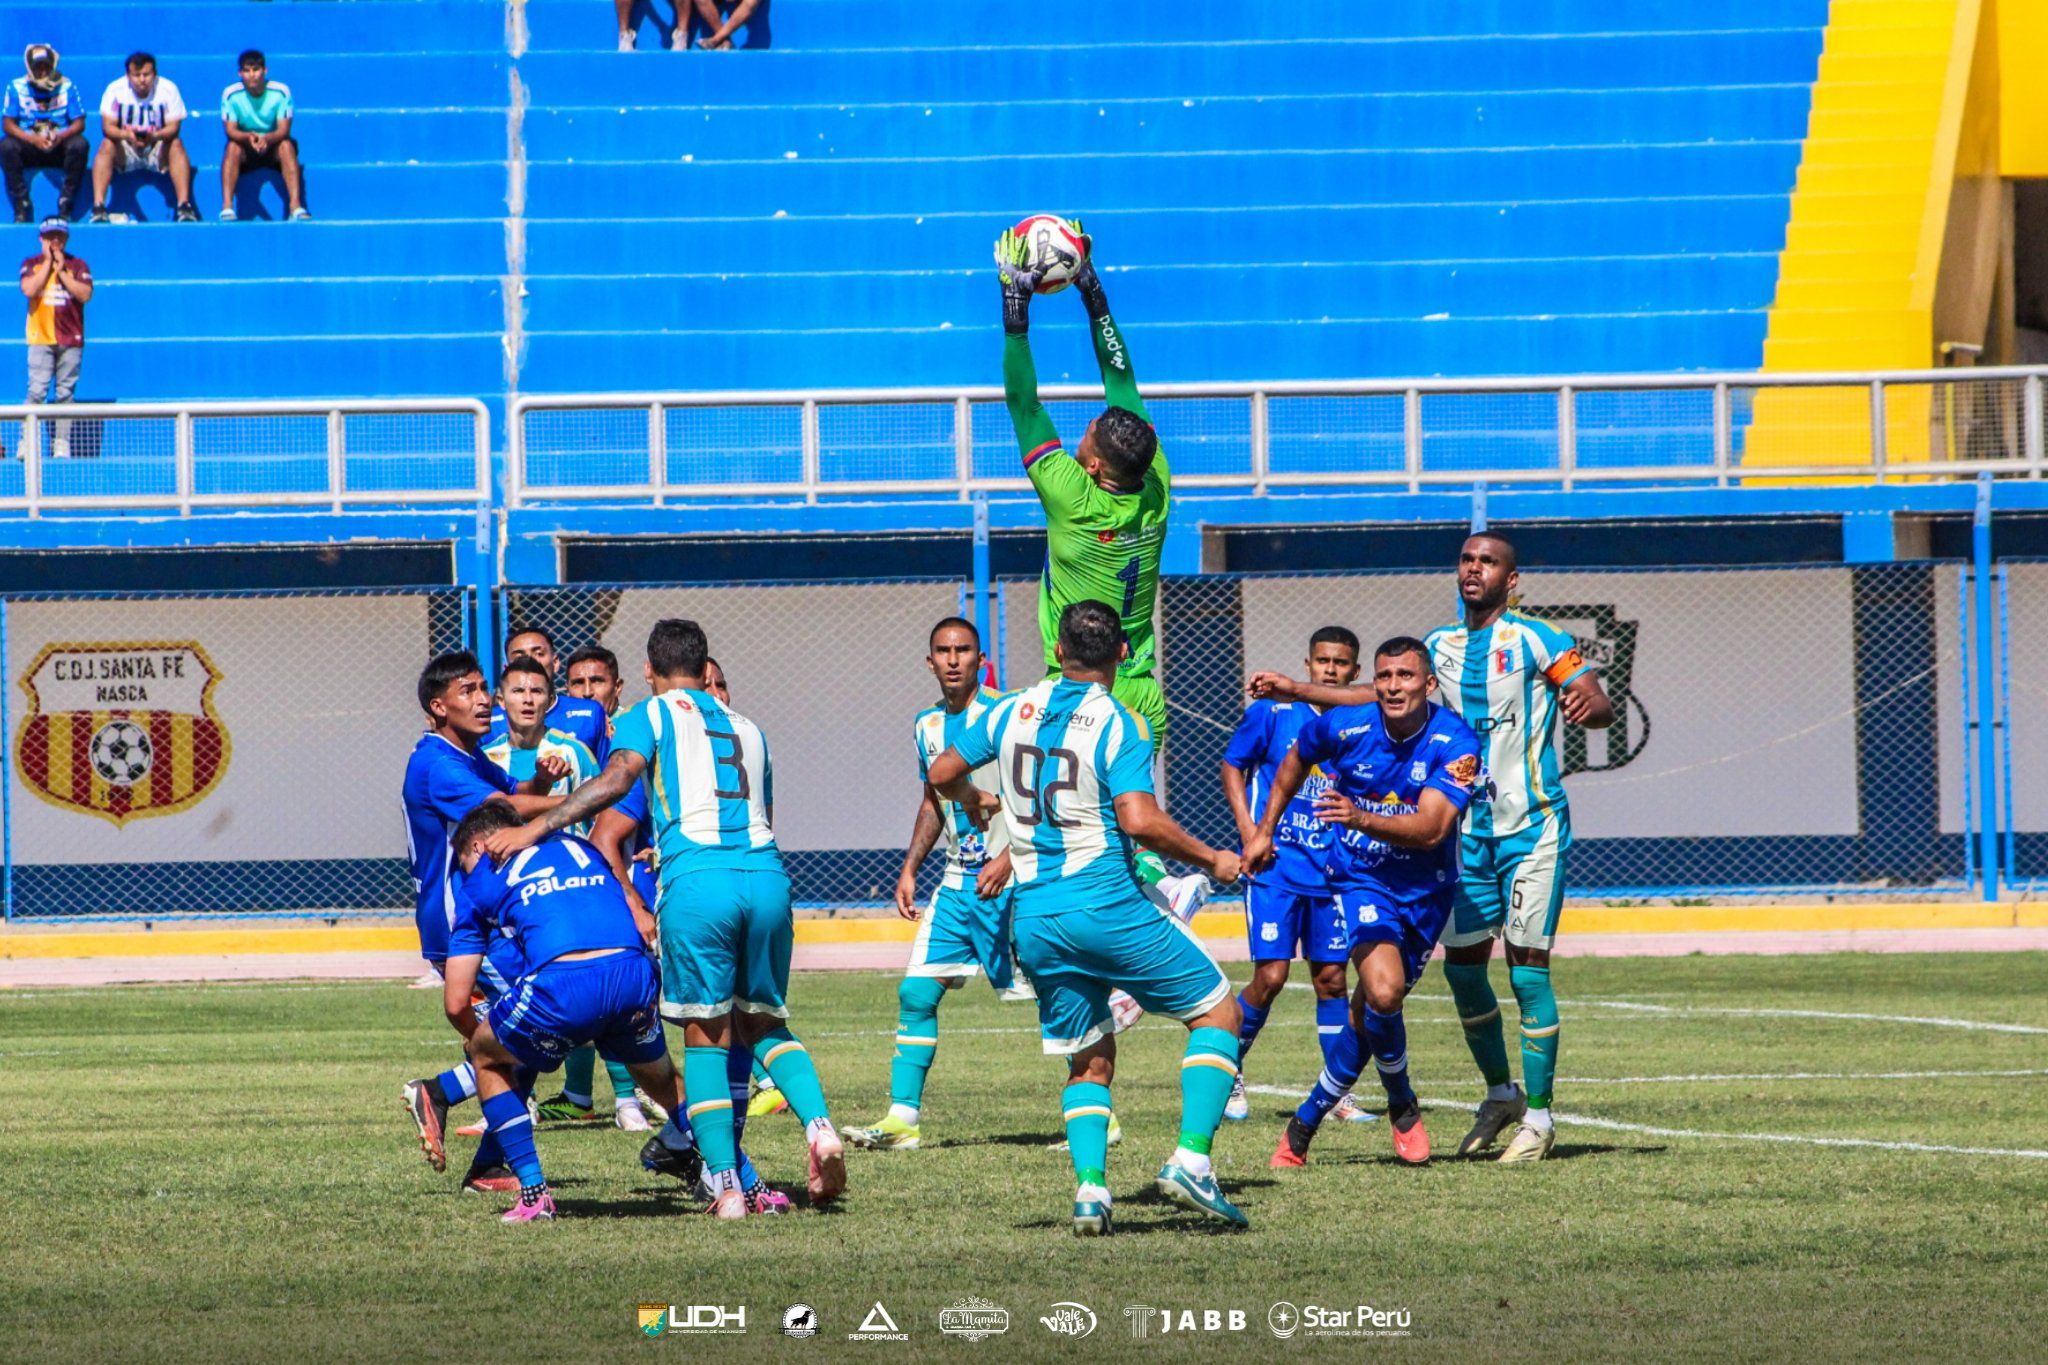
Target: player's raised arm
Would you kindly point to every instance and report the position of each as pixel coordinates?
(1035, 434)
(1112, 355)
(584, 803)
(1280, 687)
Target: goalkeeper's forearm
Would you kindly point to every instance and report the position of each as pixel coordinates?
(1020, 392)
(1112, 356)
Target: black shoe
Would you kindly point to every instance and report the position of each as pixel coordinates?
(187, 213)
(64, 209)
(662, 1159)
(99, 214)
(24, 214)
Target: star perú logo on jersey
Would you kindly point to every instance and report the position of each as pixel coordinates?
(122, 729)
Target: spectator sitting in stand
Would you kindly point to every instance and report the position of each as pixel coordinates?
(720, 36)
(44, 125)
(257, 113)
(139, 119)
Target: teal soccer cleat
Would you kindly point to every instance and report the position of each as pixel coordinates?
(1199, 1193)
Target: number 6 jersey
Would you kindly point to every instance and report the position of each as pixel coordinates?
(1064, 751)
(709, 782)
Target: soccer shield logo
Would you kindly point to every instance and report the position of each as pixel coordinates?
(122, 730)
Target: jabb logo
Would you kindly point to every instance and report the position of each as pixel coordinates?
(122, 730)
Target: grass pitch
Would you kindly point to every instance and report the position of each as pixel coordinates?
(206, 1172)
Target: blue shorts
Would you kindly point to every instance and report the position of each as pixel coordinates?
(607, 1001)
(1076, 958)
(1512, 886)
(963, 935)
(726, 935)
(1413, 927)
(1277, 921)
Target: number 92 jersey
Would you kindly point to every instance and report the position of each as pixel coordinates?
(709, 782)
(1064, 751)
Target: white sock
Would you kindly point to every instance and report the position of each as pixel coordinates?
(1539, 1119)
(1194, 1163)
(625, 1102)
(818, 1128)
(1504, 1091)
(904, 1113)
(1085, 1194)
(583, 1100)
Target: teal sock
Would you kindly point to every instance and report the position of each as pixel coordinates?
(579, 1070)
(1479, 1012)
(622, 1081)
(1207, 1073)
(917, 1039)
(710, 1106)
(1087, 1111)
(1539, 1031)
(794, 1076)
(761, 1072)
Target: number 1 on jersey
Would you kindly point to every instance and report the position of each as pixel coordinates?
(1128, 576)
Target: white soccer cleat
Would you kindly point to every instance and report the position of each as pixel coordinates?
(630, 1117)
(1349, 1110)
(1123, 1011)
(1238, 1107)
(1185, 896)
(1493, 1116)
(1529, 1143)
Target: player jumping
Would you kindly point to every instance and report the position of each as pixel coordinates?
(1105, 507)
(1290, 907)
(725, 925)
(1401, 773)
(1075, 776)
(965, 929)
(588, 980)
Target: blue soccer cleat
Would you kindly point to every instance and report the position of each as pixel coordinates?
(1199, 1192)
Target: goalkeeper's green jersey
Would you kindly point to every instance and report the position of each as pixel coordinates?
(1098, 544)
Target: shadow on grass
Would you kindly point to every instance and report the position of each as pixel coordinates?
(1000, 1140)
(1564, 1151)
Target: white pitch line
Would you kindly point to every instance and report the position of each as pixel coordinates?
(1798, 1076)
(1649, 1130)
(1740, 1012)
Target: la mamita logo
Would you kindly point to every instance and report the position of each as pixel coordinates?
(122, 730)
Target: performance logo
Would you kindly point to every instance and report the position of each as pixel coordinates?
(122, 730)
(878, 1326)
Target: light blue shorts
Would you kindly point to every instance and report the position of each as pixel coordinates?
(1075, 958)
(963, 935)
(725, 942)
(1512, 886)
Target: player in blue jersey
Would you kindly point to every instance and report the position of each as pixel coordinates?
(1401, 773)
(588, 979)
(724, 909)
(1289, 908)
(447, 776)
(571, 715)
(964, 930)
(1074, 771)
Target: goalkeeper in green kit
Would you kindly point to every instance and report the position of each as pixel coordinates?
(1105, 507)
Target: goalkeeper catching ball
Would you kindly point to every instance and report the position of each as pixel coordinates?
(1105, 505)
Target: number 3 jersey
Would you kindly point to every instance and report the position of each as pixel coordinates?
(936, 730)
(708, 780)
(554, 898)
(1064, 751)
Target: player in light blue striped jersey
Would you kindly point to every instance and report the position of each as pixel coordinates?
(1074, 773)
(964, 930)
(724, 910)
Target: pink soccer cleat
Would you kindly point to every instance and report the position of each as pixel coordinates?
(534, 1205)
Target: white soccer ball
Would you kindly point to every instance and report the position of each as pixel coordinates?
(121, 753)
(1056, 250)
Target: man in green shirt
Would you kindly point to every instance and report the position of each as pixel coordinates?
(1105, 505)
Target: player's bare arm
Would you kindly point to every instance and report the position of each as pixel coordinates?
(1434, 820)
(1258, 849)
(925, 829)
(1280, 687)
(599, 793)
(608, 835)
(1585, 702)
(458, 988)
(993, 877)
(1232, 779)
(949, 778)
(1138, 815)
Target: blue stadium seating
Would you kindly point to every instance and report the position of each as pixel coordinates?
(1280, 189)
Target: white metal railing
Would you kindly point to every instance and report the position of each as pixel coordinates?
(2016, 436)
(32, 436)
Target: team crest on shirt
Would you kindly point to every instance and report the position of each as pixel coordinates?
(1503, 662)
(1464, 769)
(122, 730)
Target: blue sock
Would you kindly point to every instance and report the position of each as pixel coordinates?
(1248, 1031)
(512, 1126)
(739, 1066)
(1386, 1035)
(488, 1152)
(1340, 1073)
(1333, 1020)
(457, 1084)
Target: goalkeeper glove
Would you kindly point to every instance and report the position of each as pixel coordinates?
(1019, 283)
(1085, 279)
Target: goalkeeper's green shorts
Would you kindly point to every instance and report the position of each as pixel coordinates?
(1142, 697)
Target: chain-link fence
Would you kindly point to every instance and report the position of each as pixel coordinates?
(1783, 729)
(181, 754)
(832, 672)
(2022, 783)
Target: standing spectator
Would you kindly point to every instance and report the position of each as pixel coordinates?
(258, 115)
(44, 125)
(58, 286)
(139, 119)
